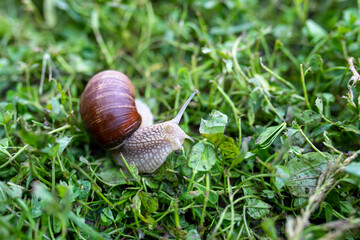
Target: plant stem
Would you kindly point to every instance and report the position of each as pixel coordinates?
(304, 87)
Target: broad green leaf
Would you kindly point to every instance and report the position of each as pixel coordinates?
(213, 130)
(149, 181)
(137, 202)
(4, 142)
(202, 157)
(150, 203)
(227, 146)
(110, 173)
(268, 225)
(314, 30)
(65, 191)
(268, 194)
(3, 150)
(3, 198)
(6, 117)
(351, 128)
(36, 140)
(299, 201)
(108, 213)
(229, 65)
(328, 212)
(319, 105)
(267, 137)
(353, 168)
(41, 192)
(191, 195)
(51, 150)
(282, 175)
(15, 191)
(213, 196)
(82, 188)
(84, 227)
(310, 118)
(237, 216)
(63, 143)
(215, 125)
(55, 105)
(36, 209)
(316, 62)
(21, 173)
(346, 207)
(192, 235)
(351, 15)
(304, 172)
(257, 208)
(251, 113)
(320, 129)
(249, 190)
(296, 150)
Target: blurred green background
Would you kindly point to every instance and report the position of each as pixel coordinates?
(248, 58)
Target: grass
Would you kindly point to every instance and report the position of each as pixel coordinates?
(276, 121)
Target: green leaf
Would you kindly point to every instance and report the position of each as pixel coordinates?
(110, 173)
(55, 105)
(63, 143)
(82, 188)
(80, 222)
(193, 235)
(150, 204)
(353, 168)
(299, 201)
(268, 194)
(6, 117)
(36, 140)
(108, 213)
(314, 30)
(105, 220)
(36, 209)
(21, 173)
(202, 157)
(320, 129)
(3, 150)
(213, 196)
(213, 130)
(63, 95)
(316, 62)
(267, 137)
(319, 104)
(305, 171)
(215, 125)
(310, 118)
(257, 208)
(227, 146)
(328, 212)
(282, 175)
(228, 216)
(346, 207)
(351, 128)
(268, 225)
(229, 65)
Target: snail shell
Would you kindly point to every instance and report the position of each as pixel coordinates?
(108, 110)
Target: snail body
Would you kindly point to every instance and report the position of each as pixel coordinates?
(109, 112)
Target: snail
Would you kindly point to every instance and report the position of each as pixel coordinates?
(117, 123)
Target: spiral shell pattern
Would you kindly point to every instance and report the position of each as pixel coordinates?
(108, 110)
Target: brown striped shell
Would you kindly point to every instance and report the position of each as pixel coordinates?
(108, 110)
